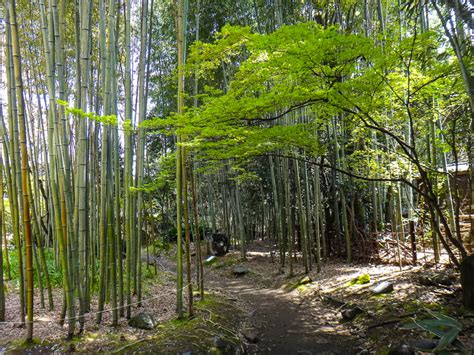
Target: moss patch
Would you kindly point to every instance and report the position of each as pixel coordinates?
(360, 280)
(301, 285)
(215, 318)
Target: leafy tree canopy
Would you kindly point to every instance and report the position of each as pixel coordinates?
(285, 86)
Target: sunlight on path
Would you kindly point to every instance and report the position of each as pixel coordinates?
(286, 326)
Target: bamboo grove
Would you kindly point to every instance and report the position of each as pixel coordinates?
(320, 126)
(67, 190)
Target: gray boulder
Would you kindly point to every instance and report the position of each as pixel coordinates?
(350, 313)
(239, 270)
(210, 260)
(402, 349)
(250, 335)
(423, 344)
(383, 287)
(143, 321)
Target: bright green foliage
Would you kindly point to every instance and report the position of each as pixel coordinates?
(127, 126)
(106, 120)
(311, 74)
(360, 280)
(54, 271)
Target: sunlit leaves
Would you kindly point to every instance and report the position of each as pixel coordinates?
(106, 120)
(283, 85)
(206, 57)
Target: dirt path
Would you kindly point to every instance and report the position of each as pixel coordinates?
(287, 321)
(283, 322)
(284, 326)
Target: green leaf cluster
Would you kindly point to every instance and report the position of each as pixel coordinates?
(110, 120)
(284, 88)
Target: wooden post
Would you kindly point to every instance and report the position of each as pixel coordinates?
(413, 240)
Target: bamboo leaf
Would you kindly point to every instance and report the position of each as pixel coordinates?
(427, 326)
(446, 319)
(447, 339)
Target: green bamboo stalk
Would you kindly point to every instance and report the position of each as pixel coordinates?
(2, 286)
(180, 26)
(276, 202)
(38, 275)
(112, 242)
(284, 231)
(398, 223)
(240, 223)
(434, 164)
(103, 169)
(128, 160)
(187, 235)
(289, 212)
(339, 160)
(57, 170)
(179, 247)
(92, 242)
(57, 16)
(302, 217)
(309, 222)
(117, 266)
(113, 230)
(317, 216)
(15, 181)
(105, 225)
(197, 238)
(40, 259)
(5, 153)
(24, 166)
(140, 148)
(82, 158)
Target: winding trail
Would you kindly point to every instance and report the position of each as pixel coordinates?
(282, 322)
(284, 325)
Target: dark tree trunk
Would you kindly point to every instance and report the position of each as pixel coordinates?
(467, 281)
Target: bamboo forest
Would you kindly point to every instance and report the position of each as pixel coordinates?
(237, 176)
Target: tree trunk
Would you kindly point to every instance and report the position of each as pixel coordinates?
(467, 281)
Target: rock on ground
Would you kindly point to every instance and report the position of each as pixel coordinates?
(239, 270)
(142, 321)
(250, 335)
(350, 313)
(383, 287)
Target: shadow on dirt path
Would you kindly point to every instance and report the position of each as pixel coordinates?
(284, 326)
(283, 323)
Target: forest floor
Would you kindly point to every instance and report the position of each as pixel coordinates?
(266, 311)
(303, 314)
